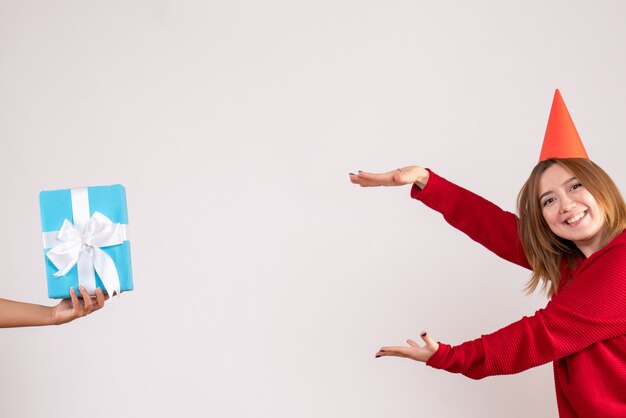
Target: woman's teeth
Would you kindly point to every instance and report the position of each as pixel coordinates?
(576, 218)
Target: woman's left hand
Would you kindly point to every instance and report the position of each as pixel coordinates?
(414, 351)
(69, 309)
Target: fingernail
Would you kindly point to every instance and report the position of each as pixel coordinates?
(359, 171)
(423, 334)
(352, 174)
(377, 355)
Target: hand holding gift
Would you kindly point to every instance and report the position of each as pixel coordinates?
(69, 309)
(85, 237)
(21, 314)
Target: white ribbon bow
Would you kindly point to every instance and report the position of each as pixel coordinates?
(83, 248)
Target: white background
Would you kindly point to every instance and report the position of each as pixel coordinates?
(265, 281)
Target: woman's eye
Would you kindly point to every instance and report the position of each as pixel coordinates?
(576, 186)
(547, 202)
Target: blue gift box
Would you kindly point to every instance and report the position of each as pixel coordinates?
(57, 206)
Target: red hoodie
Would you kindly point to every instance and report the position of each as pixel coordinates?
(581, 330)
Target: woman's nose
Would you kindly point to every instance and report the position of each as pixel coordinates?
(568, 205)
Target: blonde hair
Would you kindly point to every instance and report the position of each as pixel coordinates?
(545, 250)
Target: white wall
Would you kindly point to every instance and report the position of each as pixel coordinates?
(265, 281)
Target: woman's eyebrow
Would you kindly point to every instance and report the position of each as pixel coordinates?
(564, 183)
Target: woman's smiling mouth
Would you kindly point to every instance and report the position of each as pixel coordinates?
(576, 218)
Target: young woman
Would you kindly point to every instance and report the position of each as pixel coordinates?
(21, 314)
(570, 233)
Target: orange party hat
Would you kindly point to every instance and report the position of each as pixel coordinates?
(561, 139)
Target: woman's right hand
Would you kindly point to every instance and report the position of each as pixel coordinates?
(398, 177)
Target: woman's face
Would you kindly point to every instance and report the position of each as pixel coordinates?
(570, 210)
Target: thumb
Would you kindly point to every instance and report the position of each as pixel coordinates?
(406, 175)
(429, 342)
(403, 175)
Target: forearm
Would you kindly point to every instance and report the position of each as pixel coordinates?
(21, 314)
(475, 216)
(520, 346)
(467, 358)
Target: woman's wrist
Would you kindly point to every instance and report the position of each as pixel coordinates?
(52, 317)
(422, 177)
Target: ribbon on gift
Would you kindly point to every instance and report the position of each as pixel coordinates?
(80, 244)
